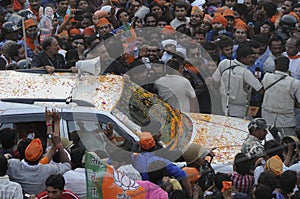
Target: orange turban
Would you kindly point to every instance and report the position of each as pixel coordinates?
(34, 150)
(29, 22)
(228, 13)
(75, 31)
(168, 30)
(240, 24)
(147, 141)
(89, 31)
(102, 22)
(196, 10)
(207, 18)
(219, 18)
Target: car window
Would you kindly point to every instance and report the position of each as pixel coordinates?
(89, 135)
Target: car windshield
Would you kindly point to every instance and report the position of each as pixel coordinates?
(138, 107)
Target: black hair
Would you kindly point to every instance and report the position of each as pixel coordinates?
(225, 42)
(76, 157)
(282, 63)
(270, 8)
(253, 44)
(156, 171)
(151, 15)
(120, 11)
(47, 43)
(12, 51)
(184, 30)
(262, 192)
(22, 145)
(241, 9)
(153, 4)
(272, 148)
(181, 4)
(3, 165)
(275, 38)
(261, 38)
(287, 181)
(174, 64)
(77, 37)
(8, 137)
(56, 181)
(90, 39)
(271, 24)
(242, 163)
(219, 178)
(269, 179)
(243, 50)
(210, 45)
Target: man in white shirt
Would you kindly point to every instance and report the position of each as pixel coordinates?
(8, 189)
(180, 10)
(176, 89)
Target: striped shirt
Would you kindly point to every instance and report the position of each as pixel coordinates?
(242, 183)
(10, 190)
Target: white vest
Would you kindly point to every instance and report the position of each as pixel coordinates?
(234, 78)
(278, 98)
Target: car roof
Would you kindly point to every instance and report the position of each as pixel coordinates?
(103, 92)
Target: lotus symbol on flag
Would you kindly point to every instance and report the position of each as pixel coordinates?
(125, 183)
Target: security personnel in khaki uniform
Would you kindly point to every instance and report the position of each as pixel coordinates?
(281, 93)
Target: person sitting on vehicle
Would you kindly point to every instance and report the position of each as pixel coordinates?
(8, 140)
(55, 184)
(28, 172)
(142, 161)
(49, 58)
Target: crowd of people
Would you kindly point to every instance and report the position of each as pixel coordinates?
(232, 57)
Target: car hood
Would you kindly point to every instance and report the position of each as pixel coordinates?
(225, 134)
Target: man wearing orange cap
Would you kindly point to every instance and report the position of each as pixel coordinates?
(196, 17)
(103, 27)
(143, 160)
(29, 173)
(32, 42)
(219, 24)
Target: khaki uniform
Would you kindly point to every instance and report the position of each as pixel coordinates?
(241, 83)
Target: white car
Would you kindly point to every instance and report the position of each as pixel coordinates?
(87, 103)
